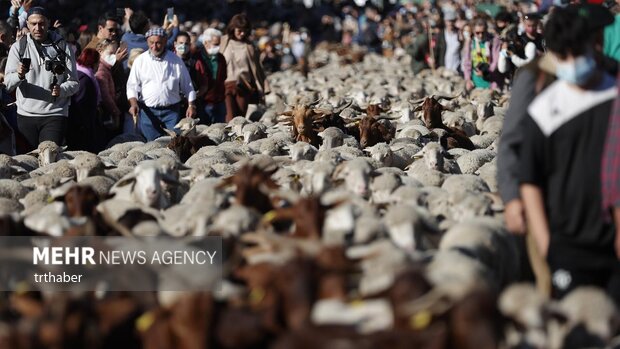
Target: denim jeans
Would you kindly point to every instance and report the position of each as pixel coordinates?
(213, 113)
(154, 120)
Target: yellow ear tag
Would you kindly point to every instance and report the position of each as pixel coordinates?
(269, 216)
(356, 303)
(257, 295)
(421, 320)
(144, 322)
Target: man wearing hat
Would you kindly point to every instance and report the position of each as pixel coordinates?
(41, 67)
(157, 79)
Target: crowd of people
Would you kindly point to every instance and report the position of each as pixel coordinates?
(558, 172)
(213, 71)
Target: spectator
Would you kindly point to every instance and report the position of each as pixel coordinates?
(418, 49)
(83, 125)
(214, 109)
(156, 81)
(531, 41)
(477, 58)
(111, 112)
(452, 58)
(612, 35)
(569, 227)
(133, 55)
(270, 59)
(107, 28)
(139, 24)
(194, 66)
(6, 39)
(245, 78)
(42, 107)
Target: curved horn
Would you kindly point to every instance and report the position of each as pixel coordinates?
(345, 106)
(315, 102)
(417, 101)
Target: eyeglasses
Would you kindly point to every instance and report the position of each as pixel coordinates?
(111, 30)
(479, 33)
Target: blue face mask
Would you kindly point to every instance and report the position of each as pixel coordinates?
(578, 71)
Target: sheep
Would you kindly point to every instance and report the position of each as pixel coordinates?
(143, 185)
(332, 137)
(488, 172)
(252, 132)
(102, 185)
(302, 151)
(9, 167)
(235, 221)
(48, 153)
(27, 162)
(469, 163)
(11, 189)
(383, 186)
(87, 165)
(34, 201)
(9, 206)
(464, 183)
(411, 228)
(356, 175)
(184, 146)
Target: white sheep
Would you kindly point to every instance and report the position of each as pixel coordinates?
(143, 185)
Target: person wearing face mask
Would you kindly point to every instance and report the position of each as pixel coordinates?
(107, 50)
(213, 98)
(245, 78)
(564, 174)
(195, 67)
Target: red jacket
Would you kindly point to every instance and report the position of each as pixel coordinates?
(215, 91)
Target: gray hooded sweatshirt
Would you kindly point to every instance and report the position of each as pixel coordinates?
(34, 96)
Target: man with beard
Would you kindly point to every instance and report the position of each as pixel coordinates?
(158, 77)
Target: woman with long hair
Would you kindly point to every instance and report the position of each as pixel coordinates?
(245, 83)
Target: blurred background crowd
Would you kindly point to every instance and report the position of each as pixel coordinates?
(484, 41)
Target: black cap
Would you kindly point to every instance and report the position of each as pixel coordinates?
(535, 16)
(37, 10)
(597, 16)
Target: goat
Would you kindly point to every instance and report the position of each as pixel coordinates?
(307, 121)
(432, 109)
(373, 129)
(250, 182)
(187, 145)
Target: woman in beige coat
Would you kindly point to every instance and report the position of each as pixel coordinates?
(245, 83)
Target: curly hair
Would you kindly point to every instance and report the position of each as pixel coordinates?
(566, 32)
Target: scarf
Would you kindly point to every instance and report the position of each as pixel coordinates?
(91, 75)
(610, 167)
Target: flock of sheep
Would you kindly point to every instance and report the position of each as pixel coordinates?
(358, 210)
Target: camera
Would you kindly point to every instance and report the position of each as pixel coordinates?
(55, 66)
(485, 69)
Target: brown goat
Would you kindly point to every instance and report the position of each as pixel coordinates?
(249, 181)
(186, 146)
(432, 118)
(308, 121)
(375, 129)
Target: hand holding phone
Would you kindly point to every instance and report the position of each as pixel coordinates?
(170, 14)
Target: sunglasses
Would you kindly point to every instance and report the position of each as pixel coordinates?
(479, 33)
(112, 30)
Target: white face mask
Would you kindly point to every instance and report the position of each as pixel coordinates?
(182, 48)
(110, 59)
(213, 50)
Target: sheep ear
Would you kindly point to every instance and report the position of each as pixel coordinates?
(129, 179)
(108, 165)
(418, 108)
(34, 152)
(18, 170)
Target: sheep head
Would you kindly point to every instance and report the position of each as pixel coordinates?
(47, 152)
(146, 184)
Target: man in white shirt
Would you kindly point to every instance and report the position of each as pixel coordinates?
(157, 79)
